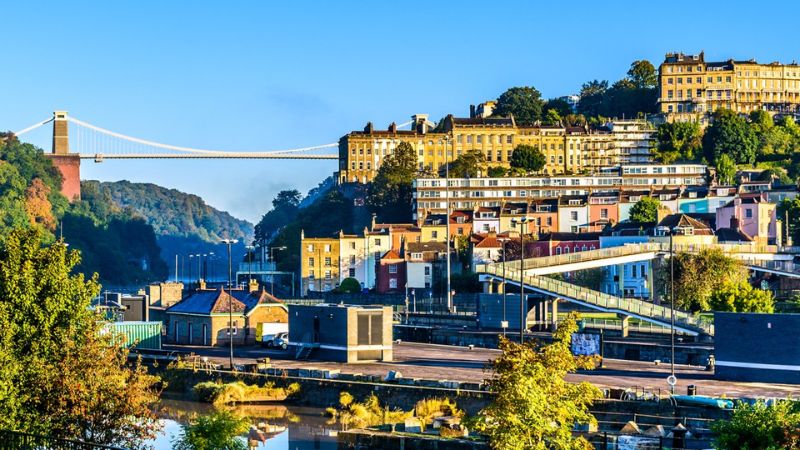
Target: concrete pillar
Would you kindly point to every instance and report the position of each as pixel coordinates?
(625, 325)
(487, 287)
(500, 288)
(621, 279)
(554, 312)
(651, 282)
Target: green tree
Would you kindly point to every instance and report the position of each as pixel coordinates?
(390, 193)
(726, 169)
(468, 164)
(759, 426)
(789, 212)
(699, 275)
(559, 105)
(645, 210)
(285, 207)
(528, 158)
(643, 74)
(592, 97)
(494, 172)
(741, 297)
(678, 141)
(349, 286)
(731, 134)
(220, 430)
(525, 103)
(534, 407)
(552, 118)
(61, 374)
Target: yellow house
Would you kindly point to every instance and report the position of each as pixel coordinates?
(434, 228)
(319, 263)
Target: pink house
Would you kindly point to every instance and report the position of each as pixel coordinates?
(751, 214)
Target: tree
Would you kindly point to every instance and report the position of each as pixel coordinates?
(528, 158)
(349, 286)
(525, 103)
(726, 169)
(643, 74)
(789, 212)
(552, 118)
(592, 97)
(699, 275)
(678, 141)
(559, 105)
(496, 171)
(759, 426)
(741, 297)
(61, 373)
(534, 407)
(731, 134)
(467, 165)
(219, 430)
(390, 193)
(645, 210)
(285, 207)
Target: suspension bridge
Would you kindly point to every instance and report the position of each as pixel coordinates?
(74, 140)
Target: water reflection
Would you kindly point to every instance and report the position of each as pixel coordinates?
(274, 427)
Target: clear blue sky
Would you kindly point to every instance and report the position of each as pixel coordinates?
(269, 75)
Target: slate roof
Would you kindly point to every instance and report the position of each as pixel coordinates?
(562, 236)
(683, 220)
(732, 235)
(208, 301)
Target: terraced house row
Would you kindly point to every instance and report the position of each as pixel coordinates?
(692, 88)
(566, 149)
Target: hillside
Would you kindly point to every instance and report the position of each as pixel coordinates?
(171, 212)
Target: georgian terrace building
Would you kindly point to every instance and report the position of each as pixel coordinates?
(472, 193)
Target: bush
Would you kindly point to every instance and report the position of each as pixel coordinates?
(349, 286)
(430, 408)
(218, 393)
(759, 426)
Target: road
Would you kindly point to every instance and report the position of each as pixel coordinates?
(442, 362)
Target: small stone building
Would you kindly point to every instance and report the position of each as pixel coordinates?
(343, 333)
(202, 317)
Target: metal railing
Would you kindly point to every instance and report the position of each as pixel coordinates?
(607, 302)
(19, 440)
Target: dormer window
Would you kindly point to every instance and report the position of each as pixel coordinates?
(416, 256)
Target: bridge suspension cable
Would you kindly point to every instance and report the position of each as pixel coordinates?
(33, 127)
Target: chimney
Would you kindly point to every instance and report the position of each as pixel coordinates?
(734, 223)
(252, 285)
(392, 127)
(202, 284)
(471, 111)
(368, 128)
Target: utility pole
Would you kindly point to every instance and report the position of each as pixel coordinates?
(230, 242)
(447, 219)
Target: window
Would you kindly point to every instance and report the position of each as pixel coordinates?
(748, 213)
(351, 273)
(327, 274)
(604, 213)
(327, 248)
(327, 261)
(393, 268)
(573, 215)
(311, 262)
(352, 259)
(427, 270)
(392, 283)
(311, 273)
(460, 231)
(434, 234)
(377, 242)
(352, 246)
(416, 256)
(310, 248)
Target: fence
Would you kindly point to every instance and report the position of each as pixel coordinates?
(17, 440)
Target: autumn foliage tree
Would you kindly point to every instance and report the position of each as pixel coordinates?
(61, 373)
(534, 407)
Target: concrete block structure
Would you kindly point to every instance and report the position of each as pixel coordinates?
(342, 333)
(757, 347)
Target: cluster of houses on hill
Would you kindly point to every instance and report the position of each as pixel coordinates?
(393, 258)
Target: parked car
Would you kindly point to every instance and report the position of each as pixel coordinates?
(267, 333)
(276, 340)
(282, 342)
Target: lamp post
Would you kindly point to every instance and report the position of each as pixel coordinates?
(230, 242)
(522, 319)
(447, 217)
(672, 232)
(250, 250)
(274, 266)
(503, 244)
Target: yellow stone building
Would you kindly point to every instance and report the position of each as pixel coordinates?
(567, 150)
(691, 88)
(319, 263)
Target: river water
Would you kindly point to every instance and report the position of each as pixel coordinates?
(287, 427)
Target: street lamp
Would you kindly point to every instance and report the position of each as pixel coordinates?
(522, 319)
(230, 242)
(447, 216)
(671, 232)
(504, 323)
(274, 266)
(250, 250)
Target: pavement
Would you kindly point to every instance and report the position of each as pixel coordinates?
(444, 362)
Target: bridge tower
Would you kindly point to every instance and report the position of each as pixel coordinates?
(69, 164)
